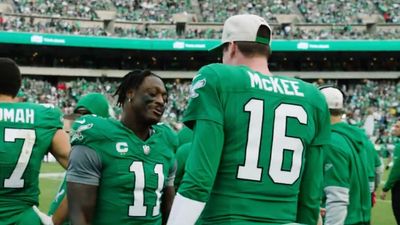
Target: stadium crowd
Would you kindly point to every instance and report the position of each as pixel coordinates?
(63, 17)
(382, 97)
(58, 8)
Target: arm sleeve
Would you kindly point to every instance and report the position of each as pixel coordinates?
(323, 123)
(171, 175)
(394, 175)
(84, 166)
(310, 187)
(337, 199)
(200, 172)
(336, 186)
(203, 161)
(52, 118)
(205, 103)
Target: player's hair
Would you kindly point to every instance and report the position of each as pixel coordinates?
(130, 81)
(250, 49)
(10, 77)
(336, 112)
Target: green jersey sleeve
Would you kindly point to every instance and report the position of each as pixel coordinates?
(204, 101)
(323, 121)
(52, 118)
(203, 161)
(310, 189)
(394, 175)
(334, 168)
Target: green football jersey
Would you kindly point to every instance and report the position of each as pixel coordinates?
(133, 174)
(269, 123)
(185, 135)
(26, 132)
(171, 136)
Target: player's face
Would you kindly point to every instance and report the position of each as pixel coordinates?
(150, 99)
(396, 129)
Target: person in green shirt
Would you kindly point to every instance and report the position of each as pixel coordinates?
(346, 170)
(256, 154)
(181, 157)
(393, 181)
(122, 172)
(185, 135)
(91, 103)
(28, 132)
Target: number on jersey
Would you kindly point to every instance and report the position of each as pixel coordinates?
(138, 208)
(280, 142)
(29, 137)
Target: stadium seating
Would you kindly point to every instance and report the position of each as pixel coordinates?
(291, 19)
(57, 8)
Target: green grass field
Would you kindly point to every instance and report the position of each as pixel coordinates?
(381, 213)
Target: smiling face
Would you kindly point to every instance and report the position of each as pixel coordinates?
(148, 101)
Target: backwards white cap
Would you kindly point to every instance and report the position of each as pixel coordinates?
(244, 28)
(334, 97)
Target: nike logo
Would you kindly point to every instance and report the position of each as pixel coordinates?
(81, 121)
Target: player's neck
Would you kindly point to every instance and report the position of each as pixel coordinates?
(259, 64)
(7, 98)
(141, 130)
(336, 119)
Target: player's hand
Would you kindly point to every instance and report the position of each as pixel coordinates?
(46, 219)
(322, 212)
(383, 195)
(373, 198)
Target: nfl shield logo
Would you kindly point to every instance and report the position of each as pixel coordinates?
(146, 149)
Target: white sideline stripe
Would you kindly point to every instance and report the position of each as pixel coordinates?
(52, 175)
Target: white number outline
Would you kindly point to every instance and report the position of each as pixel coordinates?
(29, 137)
(250, 169)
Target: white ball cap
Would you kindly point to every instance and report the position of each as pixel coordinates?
(244, 28)
(334, 97)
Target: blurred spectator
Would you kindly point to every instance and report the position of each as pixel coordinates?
(67, 8)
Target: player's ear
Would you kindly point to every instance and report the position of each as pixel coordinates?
(234, 49)
(130, 94)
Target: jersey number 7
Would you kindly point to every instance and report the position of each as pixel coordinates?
(29, 136)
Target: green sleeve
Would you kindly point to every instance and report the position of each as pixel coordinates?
(62, 190)
(310, 187)
(394, 175)
(204, 103)
(335, 172)
(323, 125)
(203, 161)
(52, 118)
(181, 156)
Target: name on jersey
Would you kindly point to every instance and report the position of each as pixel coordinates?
(274, 84)
(17, 115)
